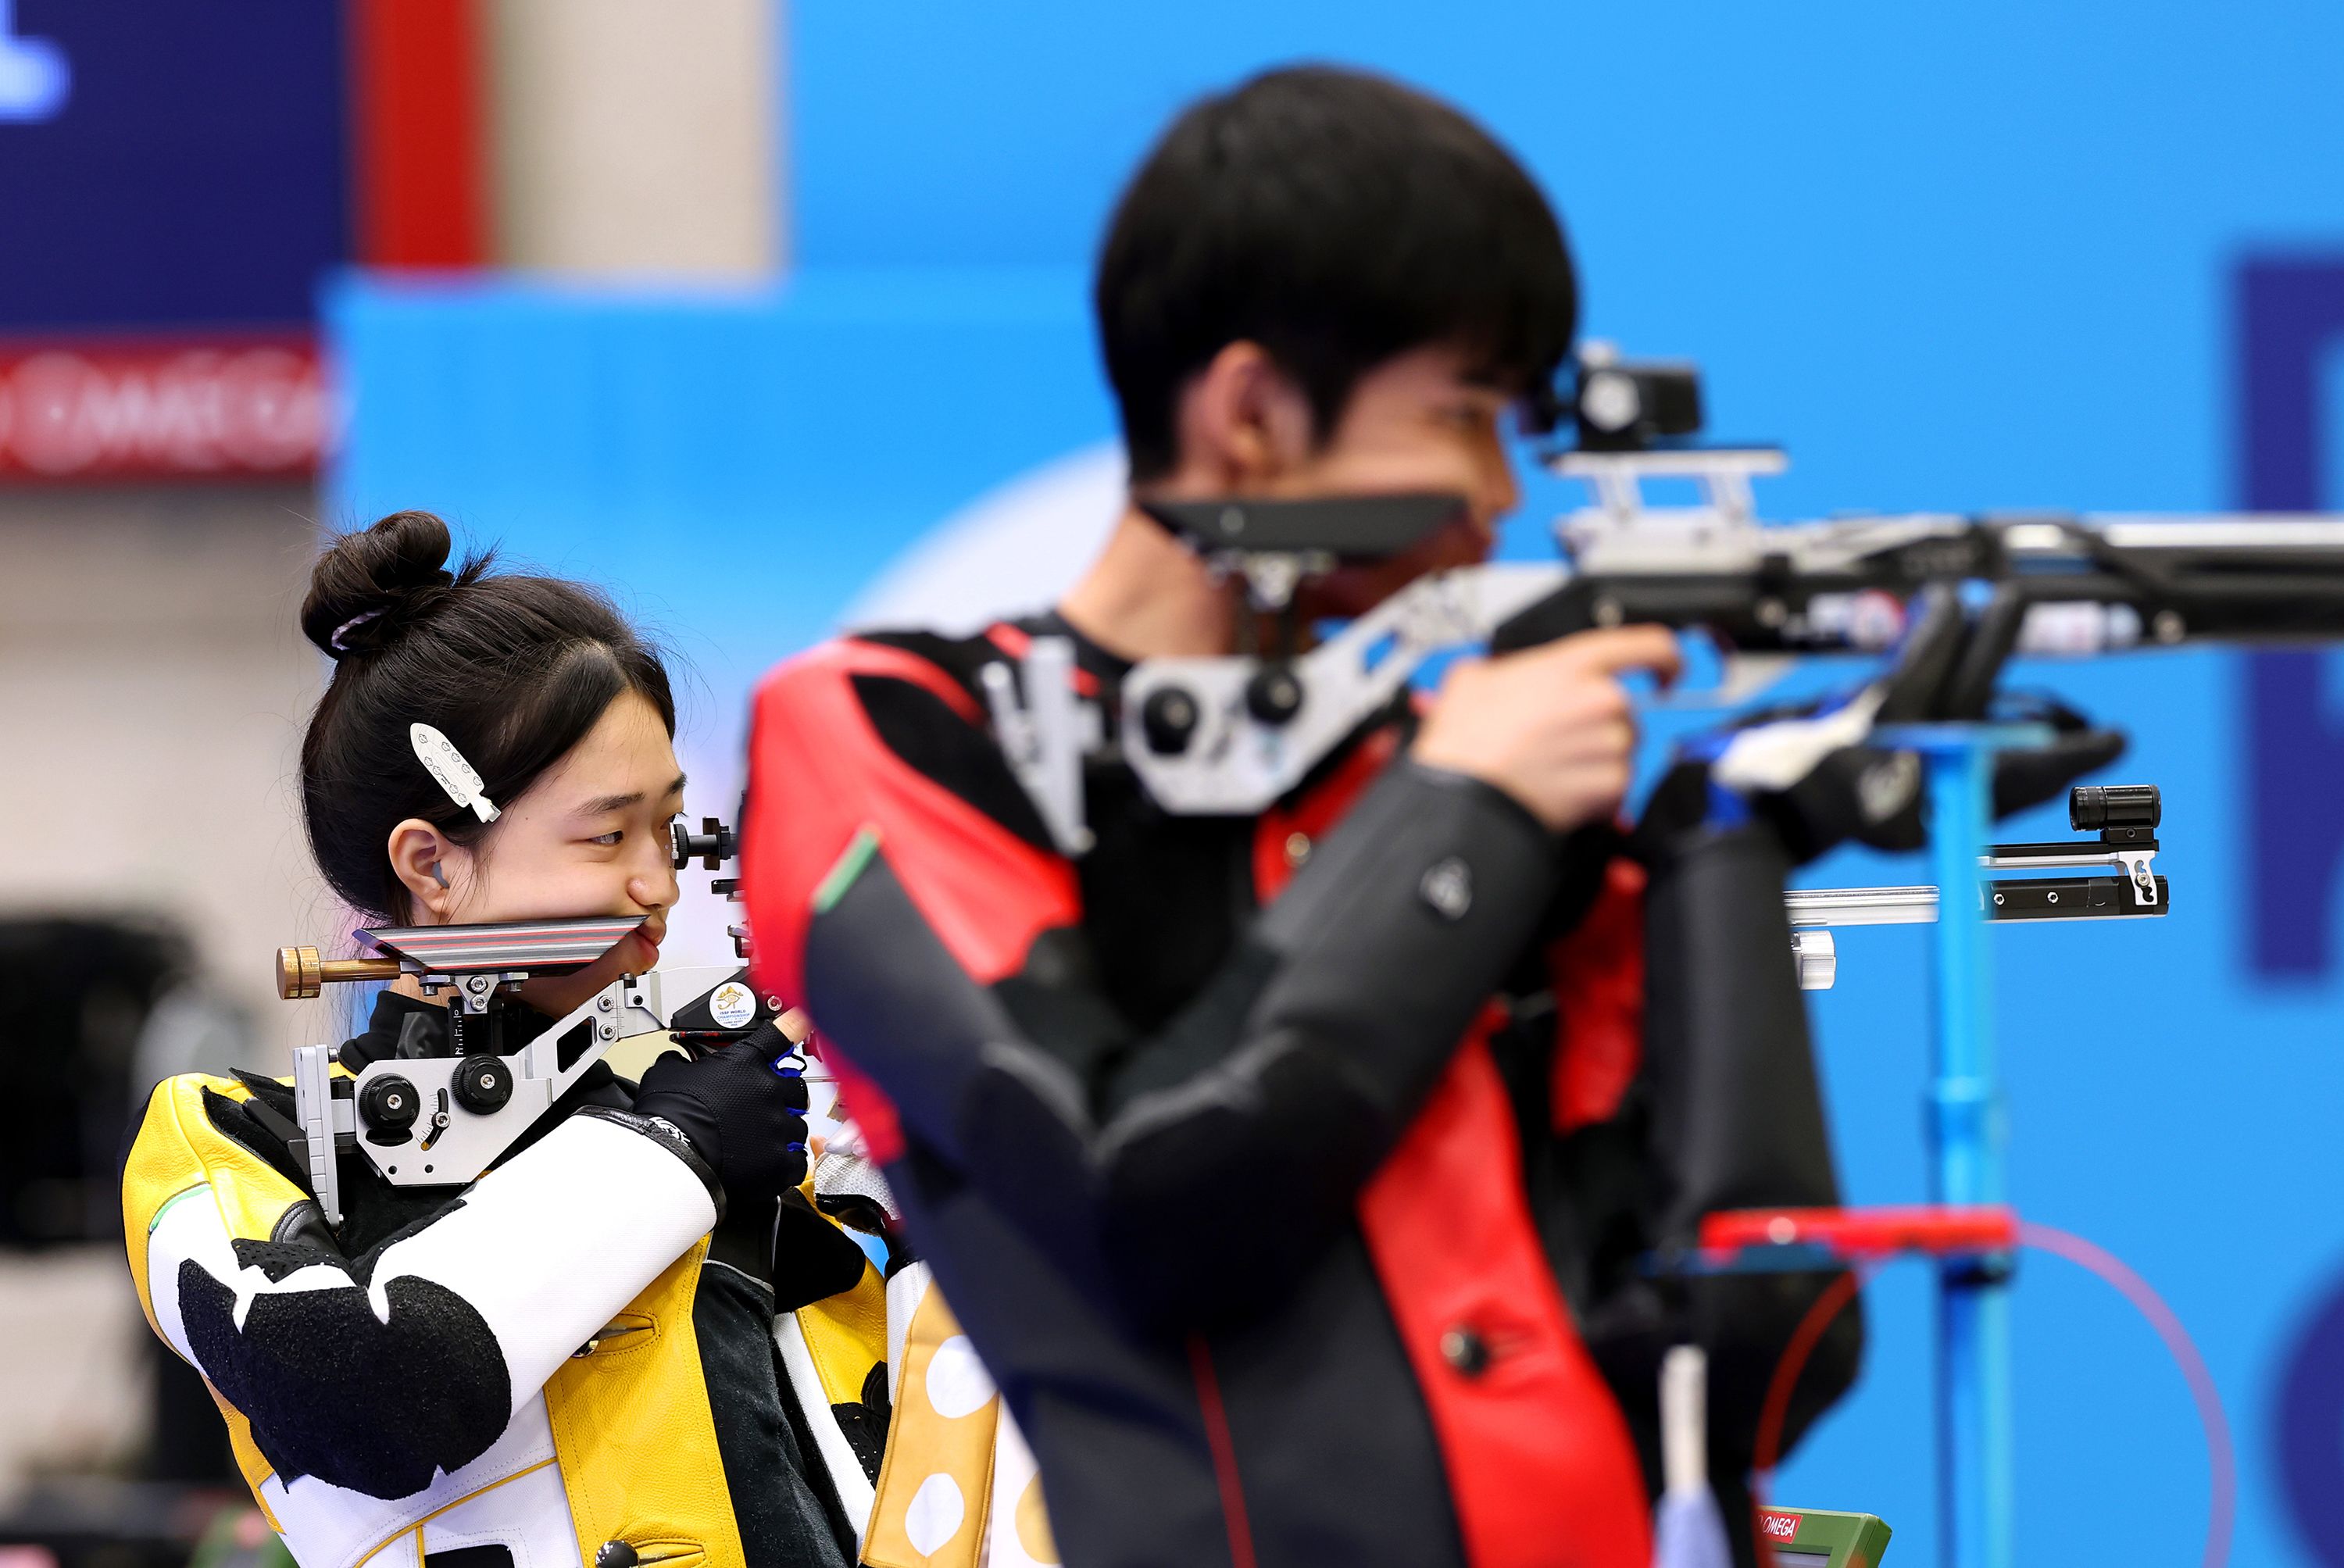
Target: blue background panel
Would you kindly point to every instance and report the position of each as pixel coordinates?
(736, 466)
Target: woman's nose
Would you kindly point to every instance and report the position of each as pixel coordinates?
(655, 888)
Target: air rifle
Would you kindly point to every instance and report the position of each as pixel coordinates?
(1232, 734)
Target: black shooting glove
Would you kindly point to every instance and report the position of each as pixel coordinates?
(743, 1114)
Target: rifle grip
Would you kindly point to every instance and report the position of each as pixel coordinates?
(1984, 651)
(1568, 610)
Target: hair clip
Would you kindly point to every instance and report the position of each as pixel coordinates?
(347, 627)
(440, 756)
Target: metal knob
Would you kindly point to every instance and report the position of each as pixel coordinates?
(1275, 695)
(389, 1105)
(482, 1084)
(301, 973)
(1167, 719)
(1816, 954)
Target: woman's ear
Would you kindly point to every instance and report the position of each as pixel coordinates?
(1244, 425)
(427, 863)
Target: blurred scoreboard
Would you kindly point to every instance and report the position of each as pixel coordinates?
(174, 183)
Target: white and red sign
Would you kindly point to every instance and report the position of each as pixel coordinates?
(177, 409)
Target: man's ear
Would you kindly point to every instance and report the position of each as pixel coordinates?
(427, 864)
(1243, 422)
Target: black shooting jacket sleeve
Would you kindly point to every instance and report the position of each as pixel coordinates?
(1192, 1171)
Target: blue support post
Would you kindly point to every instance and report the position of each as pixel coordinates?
(1976, 1462)
(1975, 1456)
(1967, 1135)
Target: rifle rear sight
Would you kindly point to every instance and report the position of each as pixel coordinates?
(713, 845)
(1621, 405)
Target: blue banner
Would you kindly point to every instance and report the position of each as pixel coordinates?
(163, 163)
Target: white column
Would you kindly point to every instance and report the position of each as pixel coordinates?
(638, 137)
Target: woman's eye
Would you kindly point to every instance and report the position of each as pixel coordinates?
(612, 837)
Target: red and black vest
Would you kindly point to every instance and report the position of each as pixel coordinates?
(1250, 1301)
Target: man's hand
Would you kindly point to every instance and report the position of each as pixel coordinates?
(1552, 726)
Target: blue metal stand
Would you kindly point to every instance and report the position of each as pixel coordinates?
(1976, 1467)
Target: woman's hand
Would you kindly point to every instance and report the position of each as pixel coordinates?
(741, 1114)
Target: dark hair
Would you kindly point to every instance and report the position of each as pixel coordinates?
(1338, 220)
(514, 670)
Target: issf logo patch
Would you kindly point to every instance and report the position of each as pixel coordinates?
(732, 1005)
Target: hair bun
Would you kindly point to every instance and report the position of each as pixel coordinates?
(362, 585)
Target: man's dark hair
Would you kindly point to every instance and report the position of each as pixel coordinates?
(1339, 220)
